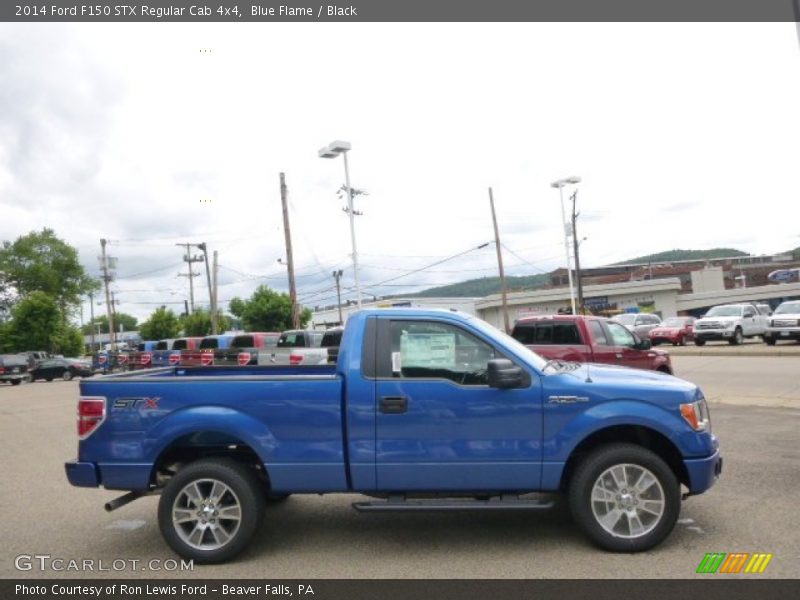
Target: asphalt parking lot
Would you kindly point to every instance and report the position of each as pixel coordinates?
(755, 412)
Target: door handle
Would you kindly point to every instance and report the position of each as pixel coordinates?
(393, 405)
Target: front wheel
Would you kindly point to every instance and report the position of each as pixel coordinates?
(738, 337)
(699, 342)
(67, 375)
(16, 381)
(211, 510)
(769, 341)
(625, 498)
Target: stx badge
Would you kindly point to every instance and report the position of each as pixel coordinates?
(133, 403)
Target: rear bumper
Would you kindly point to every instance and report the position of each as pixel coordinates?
(703, 472)
(82, 474)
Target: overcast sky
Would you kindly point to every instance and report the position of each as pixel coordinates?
(685, 136)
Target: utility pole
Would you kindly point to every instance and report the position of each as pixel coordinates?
(106, 280)
(215, 315)
(575, 244)
(189, 259)
(500, 265)
(289, 260)
(91, 316)
(337, 275)
(204, 248)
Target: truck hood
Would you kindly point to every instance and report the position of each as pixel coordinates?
(615, 382)
(716, 320)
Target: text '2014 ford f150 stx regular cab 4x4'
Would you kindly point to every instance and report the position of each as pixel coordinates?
(424, 410)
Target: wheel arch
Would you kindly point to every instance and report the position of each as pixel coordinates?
(641, 435)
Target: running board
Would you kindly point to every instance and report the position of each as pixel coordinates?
(401, 503)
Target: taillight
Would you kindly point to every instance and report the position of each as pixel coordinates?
(91, 412)
(2, 370)
(295, 359)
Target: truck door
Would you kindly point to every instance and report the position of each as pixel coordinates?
(602, 348)
(624, 341)
(439, 426)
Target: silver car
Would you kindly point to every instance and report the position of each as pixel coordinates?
(638, 323)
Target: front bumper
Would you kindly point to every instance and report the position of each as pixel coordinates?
(783, 333)
(82, 474)
(714, 334)
(703, 472)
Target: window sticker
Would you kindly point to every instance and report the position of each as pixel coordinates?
(429, 350)
(397, 363)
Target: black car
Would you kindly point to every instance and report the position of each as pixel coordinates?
(62, 368)
(13, 368)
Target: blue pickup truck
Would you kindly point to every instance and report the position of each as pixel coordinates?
(424, 410)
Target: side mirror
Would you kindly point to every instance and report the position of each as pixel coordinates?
(504, 374)
(643, 344)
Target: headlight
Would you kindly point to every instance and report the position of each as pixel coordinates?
(696, 414)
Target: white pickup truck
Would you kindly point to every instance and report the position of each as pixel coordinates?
(295, 347)
(731, 322)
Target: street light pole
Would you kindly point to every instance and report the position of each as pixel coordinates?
(337, 275)
(332, 150)
(560, 185)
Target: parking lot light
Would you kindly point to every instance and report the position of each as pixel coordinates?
(559, 184)
(333, 150)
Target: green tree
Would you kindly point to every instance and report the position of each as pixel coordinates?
(41, 262)
(161, 325)
(128, 322)
(199, 323)
(266, 310)
(37, 323)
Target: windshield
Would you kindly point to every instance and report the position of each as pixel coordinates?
(673, 322)
(725, 311)
(510, 343)
(788, 308)
(628, 319)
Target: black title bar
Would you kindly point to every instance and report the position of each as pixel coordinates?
(243, 11)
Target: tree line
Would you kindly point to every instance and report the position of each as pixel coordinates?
(42, 284)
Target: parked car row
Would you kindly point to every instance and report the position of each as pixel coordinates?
(726, 322)
(294, 347)
(16, 368)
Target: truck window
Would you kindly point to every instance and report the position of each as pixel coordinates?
(179, 345)
(524, 333)
(293, 339)
(209, 343)
(424, 350)
(243, 341)
(598, 333)
(620, 336)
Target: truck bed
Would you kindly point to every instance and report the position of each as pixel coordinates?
(149, 412)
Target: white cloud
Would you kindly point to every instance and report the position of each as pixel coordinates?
(685, 135)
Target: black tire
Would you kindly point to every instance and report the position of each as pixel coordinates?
(16, 381)
(49, 379)
(699, 342)
(244, 483)
(67, 375)
(588, 473)
(770, 341)
(737, 338)
(682, 340)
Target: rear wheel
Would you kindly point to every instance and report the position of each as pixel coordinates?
(625, 498)
(211, 510)
(16, 381)
(769, 341)
(699, 342)
(66, 375)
